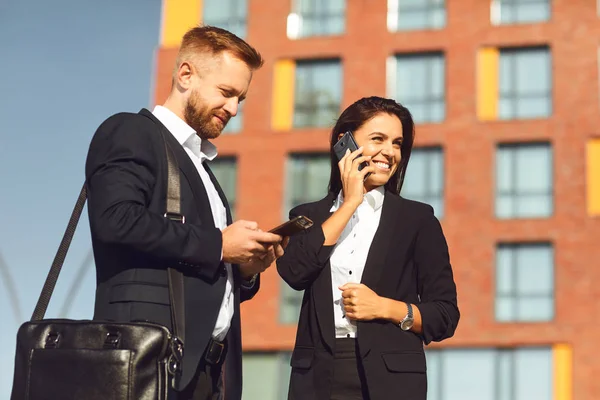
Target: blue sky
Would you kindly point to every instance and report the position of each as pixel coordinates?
(65, 66)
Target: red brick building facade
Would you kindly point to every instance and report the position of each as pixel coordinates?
(475, 126)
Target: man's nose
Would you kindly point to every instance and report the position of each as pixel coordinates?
(231, 106)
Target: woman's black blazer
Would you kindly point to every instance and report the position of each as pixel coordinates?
(408, 261)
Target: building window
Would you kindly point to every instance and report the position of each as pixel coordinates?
(519, 11)
(524, 181)
(417, 81)
(316, 18)
(525, 83)
(490, 374)
(307, 180)
(227, 14)
(225, 170)
(525, 282)
(266, 375)
(424, 180)
(235, 123)
(408, 15)
(318, 93)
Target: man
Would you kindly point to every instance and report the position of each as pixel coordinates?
(134, 243)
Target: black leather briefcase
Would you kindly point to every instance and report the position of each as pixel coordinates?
(60, 359)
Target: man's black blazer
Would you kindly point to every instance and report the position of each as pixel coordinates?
(134, 244)
(408, 261)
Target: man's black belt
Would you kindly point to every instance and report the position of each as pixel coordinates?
(214, 352)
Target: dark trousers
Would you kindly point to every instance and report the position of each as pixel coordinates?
(207, 383)
(204, 385)
(349, 381)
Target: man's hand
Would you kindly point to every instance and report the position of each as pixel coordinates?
(260, 263)
(242, 241)
(360, 302)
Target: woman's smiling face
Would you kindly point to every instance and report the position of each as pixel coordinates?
(381, 138)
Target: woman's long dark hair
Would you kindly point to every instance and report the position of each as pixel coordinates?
(355, 116)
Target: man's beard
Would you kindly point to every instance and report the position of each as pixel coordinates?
(200, 118)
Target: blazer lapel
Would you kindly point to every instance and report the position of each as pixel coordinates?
(391, 224)
(188, 170)
(321, 289)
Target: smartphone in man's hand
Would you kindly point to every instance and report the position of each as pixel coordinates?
(293, 226)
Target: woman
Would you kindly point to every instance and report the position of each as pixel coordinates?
(374, 267)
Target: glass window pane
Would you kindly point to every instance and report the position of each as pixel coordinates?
(524, 180)
(225, 170)
(235, 123)
(231, 16)
(535, 270)
(290, 304)
(535, 309)
(536, 107)
(434, 374)
(506, 72)
(505, 309)
(420, 85)
(505, 373)
(416, 174)
(490, 374)
(533, 374)
(534, 11)
(505, 206)
(532, 71)
(504, 169)
(534, 168)
(285, 370)
(437, 111)
(260, 370)
(534, 206)
(468, 374)
(321, 18)
(424, 180)
(524, 11)
(525, 83)
(506, 108)
(504, 270)
(319, 93)
(420, 14)
(307, 178)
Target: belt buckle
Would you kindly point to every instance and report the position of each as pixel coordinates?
(214, 351)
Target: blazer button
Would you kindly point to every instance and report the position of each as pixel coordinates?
(223, 272)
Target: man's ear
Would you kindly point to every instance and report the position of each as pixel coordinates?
(184, 75)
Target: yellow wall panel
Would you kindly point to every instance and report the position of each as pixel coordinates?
(487, 84)
(563, 372)
(283, 95)
(593, 177)
(178, 16)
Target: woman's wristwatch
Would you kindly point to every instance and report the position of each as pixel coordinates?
(409, 320)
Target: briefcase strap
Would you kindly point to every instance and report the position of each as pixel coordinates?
(175, 277)
(174, 212)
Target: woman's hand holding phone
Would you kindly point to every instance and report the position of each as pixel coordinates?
(353, 179)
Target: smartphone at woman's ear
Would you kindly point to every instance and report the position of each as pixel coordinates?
(347, 142)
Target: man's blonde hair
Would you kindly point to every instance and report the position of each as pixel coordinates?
(210, 40)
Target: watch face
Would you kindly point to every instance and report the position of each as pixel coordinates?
(407, 324)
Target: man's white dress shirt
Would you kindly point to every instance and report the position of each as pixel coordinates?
(199, 151)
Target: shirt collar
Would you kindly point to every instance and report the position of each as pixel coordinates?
(373, 198)
(185, 134)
